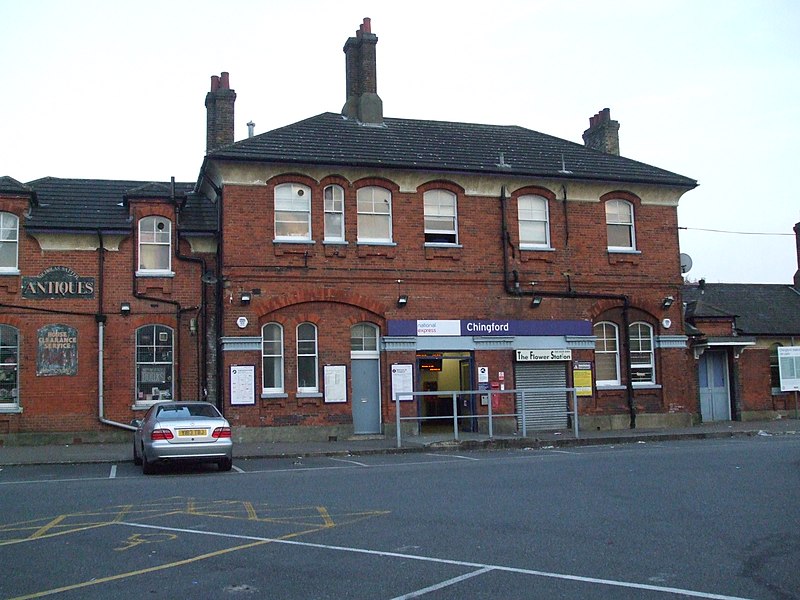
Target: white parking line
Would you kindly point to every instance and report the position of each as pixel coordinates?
(352, 462)
(452, 456)
(237, 469)
(113, 473)
(442, 585)
(482, 568)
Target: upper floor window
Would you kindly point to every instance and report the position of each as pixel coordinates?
(534, 223)
(9, 242)
(9, 366)
(374, 214)
(606, 353)
(154, 364)
(155, 244)
(440, 217)
(272, 358)
(334, 213)
(292, 212)
(774, 369)
(619, 224)
(364, 338)
(642, 354)
(307, 363)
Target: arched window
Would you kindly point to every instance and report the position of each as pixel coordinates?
(606, 353)
(272, 358)
(642, 354)
(441, 222)
(154, 363)
(9, 367)
(9, 242)
(334, 213)
(534, 224)
(307, 358)
(774, 370)
(155, 245)
(619, 223)
(374, 215)
(292, 212)
(364, 338)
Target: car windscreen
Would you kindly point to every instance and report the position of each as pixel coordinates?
(187, 411)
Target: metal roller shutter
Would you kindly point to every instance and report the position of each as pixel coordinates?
(543, 410)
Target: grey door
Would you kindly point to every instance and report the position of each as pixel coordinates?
(366, 396)
(715, 400)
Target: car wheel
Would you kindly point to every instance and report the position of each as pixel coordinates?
(225, 464)
(148, 468)
(137, 460)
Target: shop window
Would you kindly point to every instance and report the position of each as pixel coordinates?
(606, 354)
(9, 243)
(440, 217)
(374, 215)
(154, 363)
(774, 371)
(307, 358)
(642, 354)
(272, 358)
(292, 212)
(364, 338)
(334, 213)
(534, 223)
(619, 224)
(9, 367)
(155, 246)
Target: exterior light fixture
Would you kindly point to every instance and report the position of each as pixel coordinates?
(125, 308)
(536, 301)
(402, 301)
(245, 298)
(667, 302)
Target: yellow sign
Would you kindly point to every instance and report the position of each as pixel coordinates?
(582, 380)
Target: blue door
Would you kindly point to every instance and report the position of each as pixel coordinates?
(366, 396)
(715, 399)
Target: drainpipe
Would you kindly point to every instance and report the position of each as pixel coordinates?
(100, 318)
(515, 290)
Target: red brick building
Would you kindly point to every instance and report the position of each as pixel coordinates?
(316, 269)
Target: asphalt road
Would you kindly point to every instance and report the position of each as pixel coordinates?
(692, 519)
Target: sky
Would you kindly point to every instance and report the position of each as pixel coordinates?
(708, 89)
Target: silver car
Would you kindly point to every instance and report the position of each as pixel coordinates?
(176, 431)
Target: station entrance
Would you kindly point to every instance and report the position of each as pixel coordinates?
(445, 372)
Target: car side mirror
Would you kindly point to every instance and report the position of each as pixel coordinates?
(136, 423)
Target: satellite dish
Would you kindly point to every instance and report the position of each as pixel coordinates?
(208, 277)
(686, 263)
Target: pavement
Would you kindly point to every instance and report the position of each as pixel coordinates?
(444, 441)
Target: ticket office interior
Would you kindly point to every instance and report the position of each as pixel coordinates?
(445, 372)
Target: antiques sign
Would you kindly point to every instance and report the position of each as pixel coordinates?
(57, 282)
(57, 350)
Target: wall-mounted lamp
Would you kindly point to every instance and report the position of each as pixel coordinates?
(245, 298)
(667, 302)
(125, 308)
(536, 301)
(402, 301)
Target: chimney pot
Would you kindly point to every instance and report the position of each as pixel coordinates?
(224, 81)
(366, 26)
(214, 83)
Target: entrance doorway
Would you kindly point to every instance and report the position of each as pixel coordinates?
(445, 372)
(715, 398)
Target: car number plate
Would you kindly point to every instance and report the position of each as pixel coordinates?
(192, 432)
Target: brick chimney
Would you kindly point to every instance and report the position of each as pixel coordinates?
(603, 133)
(219, 113)
(363, 102)
(797, 242)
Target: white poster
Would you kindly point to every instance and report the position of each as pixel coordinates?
(402, 382)
(335, 383)
(789, 368)
(243, 384)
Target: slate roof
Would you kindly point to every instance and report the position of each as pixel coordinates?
(331, 139)
(760, 309)
(9, 185)
(91, 204)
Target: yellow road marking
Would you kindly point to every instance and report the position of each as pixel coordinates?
(325, 516)
(252, 515)
(42, 530)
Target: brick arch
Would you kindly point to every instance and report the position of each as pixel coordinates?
(335, 179)
(292, 177)
(635, 302)
(534, 190)
(377, 182)
(264, 307)
(440, 184)
(621, 195)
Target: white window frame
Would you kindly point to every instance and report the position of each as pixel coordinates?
(277, 369)
(9, 234)
(333, 196)
(530, 214)
(363, 336)
(293, 204)
(615, 219)
(9, 363)
(601, 348)
(645, 358)
(157, 347)
(369, 200)
(307, 351)
(150, 235)
(440, 206)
